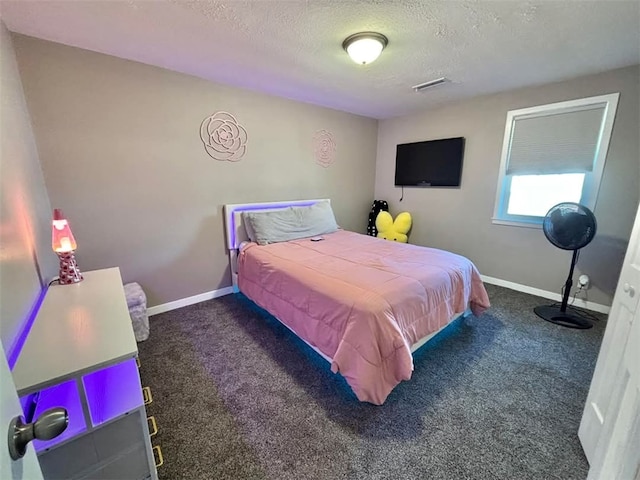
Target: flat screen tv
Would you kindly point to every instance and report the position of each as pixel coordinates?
(434, 163)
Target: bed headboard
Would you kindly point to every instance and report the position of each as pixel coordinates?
(236, 233)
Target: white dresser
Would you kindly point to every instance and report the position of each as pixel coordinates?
(80, 354)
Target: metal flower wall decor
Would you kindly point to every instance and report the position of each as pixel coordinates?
(324, 148)
(223, 137)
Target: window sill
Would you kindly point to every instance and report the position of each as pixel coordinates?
(513, 223)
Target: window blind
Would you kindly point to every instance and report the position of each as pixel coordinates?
(564, 142)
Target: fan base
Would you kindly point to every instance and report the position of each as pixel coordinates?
(552, 313)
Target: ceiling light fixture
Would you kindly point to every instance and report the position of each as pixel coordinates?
(365, 47)
(430, 84)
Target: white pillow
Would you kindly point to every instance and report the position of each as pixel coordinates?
(247, 227)
(291, 223)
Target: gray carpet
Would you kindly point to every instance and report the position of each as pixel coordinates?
(237, 396)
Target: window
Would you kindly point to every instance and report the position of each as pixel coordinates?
(551, 154)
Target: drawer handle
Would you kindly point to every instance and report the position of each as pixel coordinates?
(146, 395)
(157, 452)
(154, 425)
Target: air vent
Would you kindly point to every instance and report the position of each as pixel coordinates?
(431, 83)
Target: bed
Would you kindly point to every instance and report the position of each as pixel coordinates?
(362, 303)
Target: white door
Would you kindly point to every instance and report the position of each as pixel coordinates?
(610, 427)
(27, 468)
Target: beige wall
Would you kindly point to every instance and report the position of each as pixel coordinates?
(121, 154)
(460, 219)
(26, 259)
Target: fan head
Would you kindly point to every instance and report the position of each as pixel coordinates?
(569, 225)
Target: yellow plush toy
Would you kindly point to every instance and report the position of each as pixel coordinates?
(393, 230)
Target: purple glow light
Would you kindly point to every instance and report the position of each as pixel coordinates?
(113, 391)
(13, 352)
(274, 206)
(63, 395)
(28, 403)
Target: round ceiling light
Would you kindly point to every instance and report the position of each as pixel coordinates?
(365, 47)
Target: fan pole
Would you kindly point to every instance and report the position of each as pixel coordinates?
(569, 283)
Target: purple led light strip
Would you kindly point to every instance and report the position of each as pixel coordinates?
(13, 352)
(274, 206)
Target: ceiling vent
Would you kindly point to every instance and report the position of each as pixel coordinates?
(431, 83)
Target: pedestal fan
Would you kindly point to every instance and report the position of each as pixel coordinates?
(569, 226)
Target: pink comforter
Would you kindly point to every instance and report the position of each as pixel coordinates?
(360, 300)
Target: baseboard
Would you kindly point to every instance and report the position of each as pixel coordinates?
(596, 307)
(184, 302)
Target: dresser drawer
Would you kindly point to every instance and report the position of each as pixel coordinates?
(132, 465)
(120, 436)
(115, 450)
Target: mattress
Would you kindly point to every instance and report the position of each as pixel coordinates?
(360, 300)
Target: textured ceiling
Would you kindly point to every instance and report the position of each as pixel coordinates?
(293, 48)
